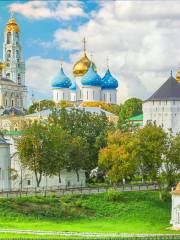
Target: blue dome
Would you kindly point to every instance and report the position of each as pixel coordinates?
(73, 87)
(61, 80)
(91, 78)
(108, 81)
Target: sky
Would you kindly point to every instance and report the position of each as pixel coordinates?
(140, 38)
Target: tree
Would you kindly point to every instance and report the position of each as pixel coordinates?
(149, 151)
(33, 149)
(130, 108)
(171, 159)
(116, 159)
(77, 154)
(41, 105)
(91, 127)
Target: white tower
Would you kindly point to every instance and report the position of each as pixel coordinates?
(14, 67)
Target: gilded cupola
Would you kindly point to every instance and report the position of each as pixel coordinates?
(12, 25)
(1, 66)
(178, 75)
(81, 67)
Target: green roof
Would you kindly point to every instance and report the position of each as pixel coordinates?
(136, 118)
(12, 133)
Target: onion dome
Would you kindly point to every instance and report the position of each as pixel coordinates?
(12, 25)
(178, 75)
(108, 81)
(61, 80)
(91, 78)
(73, 87)
(1, 66)
(81, 67)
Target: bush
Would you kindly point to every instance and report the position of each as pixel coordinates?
(164, 196)
(113, 195)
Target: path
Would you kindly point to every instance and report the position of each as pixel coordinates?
(87, 234)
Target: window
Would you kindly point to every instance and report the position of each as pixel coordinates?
(166, 102)
(8, 55)
(28, 182)
(12, 103)
(174, 102)
(87, 94)
(8, 75)
(63, 96)
(110, 97)
(93, 95)
(153, 102)
(8, 38)
(19, 78)
(6, 102)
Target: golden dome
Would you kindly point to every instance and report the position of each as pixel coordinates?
(12, 25)
(1, 65)
(178, 75)
(82, 66)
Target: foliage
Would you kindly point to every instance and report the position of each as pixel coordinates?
(113, 195)
(113, 108)
(116, 159)
(90, 127)
(64, 104)
(149, 150)
(130, 108)
(33, 149)
(38, 106)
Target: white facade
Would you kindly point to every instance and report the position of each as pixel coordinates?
(175, 212)
(164, 113)
(5, 182)
(61, 94)
(109, 96)
(91, 94)
(14, 176)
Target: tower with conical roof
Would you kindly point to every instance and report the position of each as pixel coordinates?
(14, 67)
(163, 107)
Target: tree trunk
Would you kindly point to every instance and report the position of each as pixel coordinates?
(77, 173)
(38, 179)
(59, 176)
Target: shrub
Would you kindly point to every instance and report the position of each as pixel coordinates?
(113, 195)
(164, 196)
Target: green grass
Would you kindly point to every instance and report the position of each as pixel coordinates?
(131, 212)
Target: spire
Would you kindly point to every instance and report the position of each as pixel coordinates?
(107, 63)
(84, 45)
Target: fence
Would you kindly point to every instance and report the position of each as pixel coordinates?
(78, 190)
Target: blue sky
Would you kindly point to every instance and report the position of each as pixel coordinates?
(140, 38)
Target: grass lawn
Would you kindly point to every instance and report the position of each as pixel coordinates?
(131, 212)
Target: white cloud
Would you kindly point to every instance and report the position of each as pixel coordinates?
(39, 74)
(140, 38)
(64, 10)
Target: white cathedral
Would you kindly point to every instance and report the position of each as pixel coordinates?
(12, 71)
(87, 85)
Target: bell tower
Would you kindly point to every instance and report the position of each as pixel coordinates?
(14, 67)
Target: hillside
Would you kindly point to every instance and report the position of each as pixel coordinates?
(130, 212)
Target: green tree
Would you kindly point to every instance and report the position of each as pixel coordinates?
(130, 108)
(171, 159)
(33, 149)
(91, 127)
(41, 105)
(116, 159)
(149, 151)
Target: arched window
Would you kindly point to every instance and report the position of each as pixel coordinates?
(8, 55)
(110, 97)
(17, 55)
(12, 103)
(8, 37)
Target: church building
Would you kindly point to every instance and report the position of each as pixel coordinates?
(12, 70)
(87, 85)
